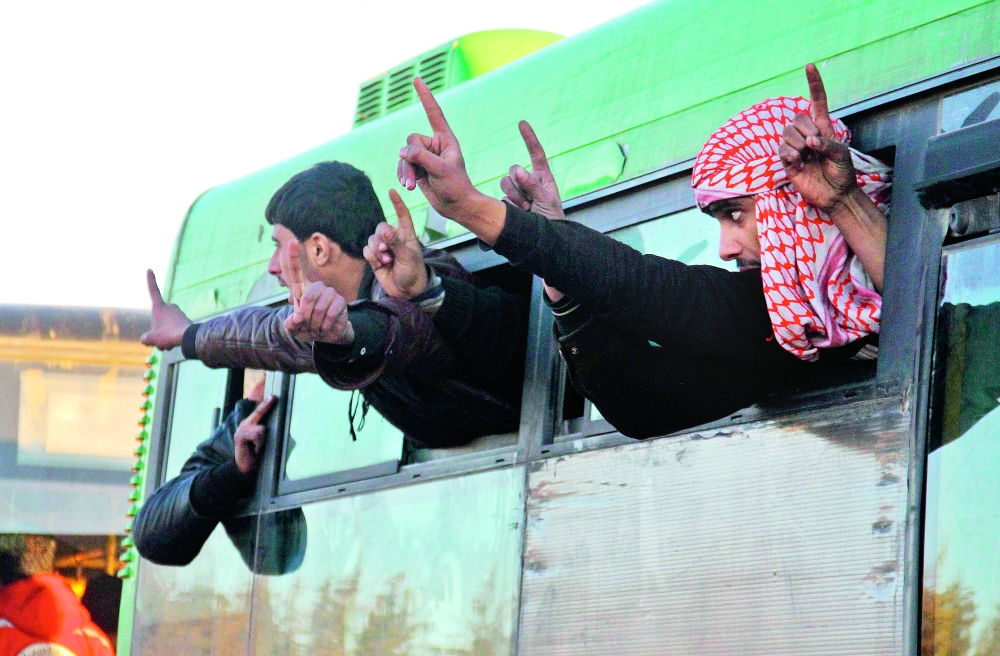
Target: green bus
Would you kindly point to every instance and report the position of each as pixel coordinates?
(858, 516)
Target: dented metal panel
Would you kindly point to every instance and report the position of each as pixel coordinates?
(779, 537)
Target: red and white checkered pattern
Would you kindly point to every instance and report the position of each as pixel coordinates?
(818, 295)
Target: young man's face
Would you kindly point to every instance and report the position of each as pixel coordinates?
(739, 240)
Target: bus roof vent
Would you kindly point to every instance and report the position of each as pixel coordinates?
(445, 67)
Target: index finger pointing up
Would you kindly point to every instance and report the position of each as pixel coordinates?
(402, 212)
(261, 410)
(296, 281)
(434, 114)
(154, 289)
(817, 96)
(539, 162)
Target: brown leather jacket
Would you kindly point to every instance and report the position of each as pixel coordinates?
(438, 394)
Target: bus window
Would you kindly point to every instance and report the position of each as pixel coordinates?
(430, 568)
(319, 442)
(201, 608)
(198, 401)
(961, 598)
(971, 107)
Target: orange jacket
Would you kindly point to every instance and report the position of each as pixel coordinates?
(41, 616)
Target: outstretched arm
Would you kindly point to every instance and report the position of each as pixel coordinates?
(176, 520)
(535, 191)
(253, 337)
(822, 170)
(645, 295)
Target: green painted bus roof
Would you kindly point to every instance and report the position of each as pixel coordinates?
(623, 99)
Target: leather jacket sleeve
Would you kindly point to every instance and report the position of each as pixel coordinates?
(253, 338)
(169, 531)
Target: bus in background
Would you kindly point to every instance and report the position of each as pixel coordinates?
(854, 517)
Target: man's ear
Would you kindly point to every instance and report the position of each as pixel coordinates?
(321, 250)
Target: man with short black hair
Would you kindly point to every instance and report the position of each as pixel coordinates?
(410, 355)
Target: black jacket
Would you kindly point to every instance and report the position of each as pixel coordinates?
(656, 345)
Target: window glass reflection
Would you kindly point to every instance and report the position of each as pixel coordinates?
(430, 568)
(691, 237)
(199, 396)
(201, 608)
(961, 577)
(320, 432)
(971, 106)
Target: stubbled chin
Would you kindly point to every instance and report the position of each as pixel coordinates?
(749, 266)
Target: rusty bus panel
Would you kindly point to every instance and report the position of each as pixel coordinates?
(780, 537)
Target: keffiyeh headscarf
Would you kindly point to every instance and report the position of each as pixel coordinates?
(818, 295)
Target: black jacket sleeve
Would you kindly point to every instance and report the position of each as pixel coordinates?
(707, 309)
(168, 529)
(487, 329)
(177, 519)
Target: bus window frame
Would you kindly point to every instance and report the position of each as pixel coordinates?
(161, 428)
(285, 486)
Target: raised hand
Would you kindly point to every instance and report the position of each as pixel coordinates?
(167, 322)
(818, 166)
(436, 165)
(320, 313)
(251, 435)
(535, 191)
(396, 255)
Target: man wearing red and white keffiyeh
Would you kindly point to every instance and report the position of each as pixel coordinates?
(796, 202)
(658, 345)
